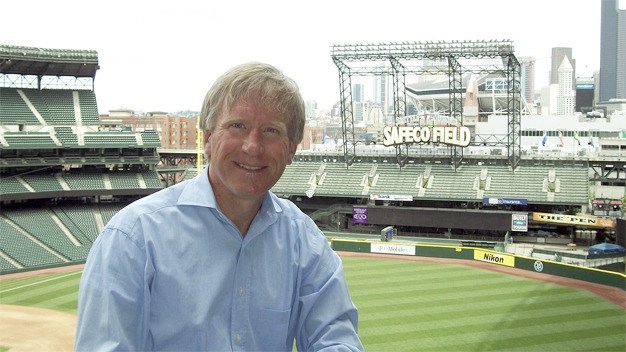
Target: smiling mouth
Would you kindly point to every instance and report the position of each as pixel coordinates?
(249, 168)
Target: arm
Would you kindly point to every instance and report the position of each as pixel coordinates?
(113, 296)
(329, 319)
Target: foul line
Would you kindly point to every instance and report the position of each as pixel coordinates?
(40, 282)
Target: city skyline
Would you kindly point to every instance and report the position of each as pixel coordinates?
(160, 56)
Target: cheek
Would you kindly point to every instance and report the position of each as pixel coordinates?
(288, 154)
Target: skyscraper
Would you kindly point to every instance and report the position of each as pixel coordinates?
(358, 94)
(380, 90)
(566, 96)
(612, 51)
(557, 59)
(358, 102)
(527, 64)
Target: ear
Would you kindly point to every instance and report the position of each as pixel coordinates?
(292, 152)
(206, 136)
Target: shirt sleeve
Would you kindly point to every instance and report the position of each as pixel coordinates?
(113, 296)
(329, 319)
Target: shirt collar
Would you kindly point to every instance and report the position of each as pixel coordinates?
(198, 192)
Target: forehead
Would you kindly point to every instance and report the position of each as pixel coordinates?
(245, 108)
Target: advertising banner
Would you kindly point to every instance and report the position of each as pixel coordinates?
(590, 221)
(359, 215)
(391, 197)
(519, 222)
(393, 249)
(495, 258)
(505, 201)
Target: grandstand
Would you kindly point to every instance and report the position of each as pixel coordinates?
(63, 175)
(553, 185)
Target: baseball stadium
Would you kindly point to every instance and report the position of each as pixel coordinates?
(464, 222)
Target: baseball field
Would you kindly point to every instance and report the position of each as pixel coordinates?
(404, 305)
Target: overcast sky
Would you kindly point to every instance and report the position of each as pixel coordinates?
(164, 55)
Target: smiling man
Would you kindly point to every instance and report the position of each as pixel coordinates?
(219, 262)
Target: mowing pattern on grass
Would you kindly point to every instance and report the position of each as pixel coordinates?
(55, 291)
(413, 306)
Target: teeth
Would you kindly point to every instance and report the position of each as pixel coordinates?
(251, 168)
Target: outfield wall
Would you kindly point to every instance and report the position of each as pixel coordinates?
(598, 276)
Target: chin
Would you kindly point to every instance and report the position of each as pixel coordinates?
(251, 193)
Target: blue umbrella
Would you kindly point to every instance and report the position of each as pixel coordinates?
(605, 248)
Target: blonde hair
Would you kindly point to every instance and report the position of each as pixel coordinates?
(261, 84)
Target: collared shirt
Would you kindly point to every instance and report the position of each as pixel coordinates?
(171, 272)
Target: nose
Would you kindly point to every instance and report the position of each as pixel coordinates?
(253, 142)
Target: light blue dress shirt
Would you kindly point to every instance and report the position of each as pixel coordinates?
(171, 272)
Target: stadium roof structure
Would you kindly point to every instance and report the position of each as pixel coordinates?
(24, 60)
(433, 94)
(484, 56)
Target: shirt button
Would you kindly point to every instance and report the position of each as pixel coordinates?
(241, 291)
(238, 338)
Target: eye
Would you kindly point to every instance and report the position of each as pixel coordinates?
(272, 130)
(237, 125)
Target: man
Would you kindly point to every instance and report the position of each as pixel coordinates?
(219, 262)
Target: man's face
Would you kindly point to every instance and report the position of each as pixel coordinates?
(249, 149)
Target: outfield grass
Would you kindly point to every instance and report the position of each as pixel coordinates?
(54, 291)
(409, 306)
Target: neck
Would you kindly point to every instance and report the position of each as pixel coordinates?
(240, 213)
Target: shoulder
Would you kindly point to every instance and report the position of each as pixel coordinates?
(286, 205)
(290, 212)
(312, 242)
(128, 216)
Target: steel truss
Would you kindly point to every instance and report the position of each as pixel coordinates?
(399, 54)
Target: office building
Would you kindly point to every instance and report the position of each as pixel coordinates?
(358, 94)
(612, 51)
(566, 96)
(527, 64)
(557, 59)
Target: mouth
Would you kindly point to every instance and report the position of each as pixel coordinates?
(249, 167)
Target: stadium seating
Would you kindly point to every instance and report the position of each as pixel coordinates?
(295, 179)
(342, 180)
(30, 140)
(150, 139)
(88, 108)
(441, 181)
(151, 179)
(66, 136)
(41, 225)
(60, 104)
(55, 151)
(108, 210)
(42, 236)
(14, 110)
(393, 180)
(123, 180)
(36, 99)
(84, 181)
(12, 185)
(22, 249)
(80, 220)
(43, 183)
(110, 140)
